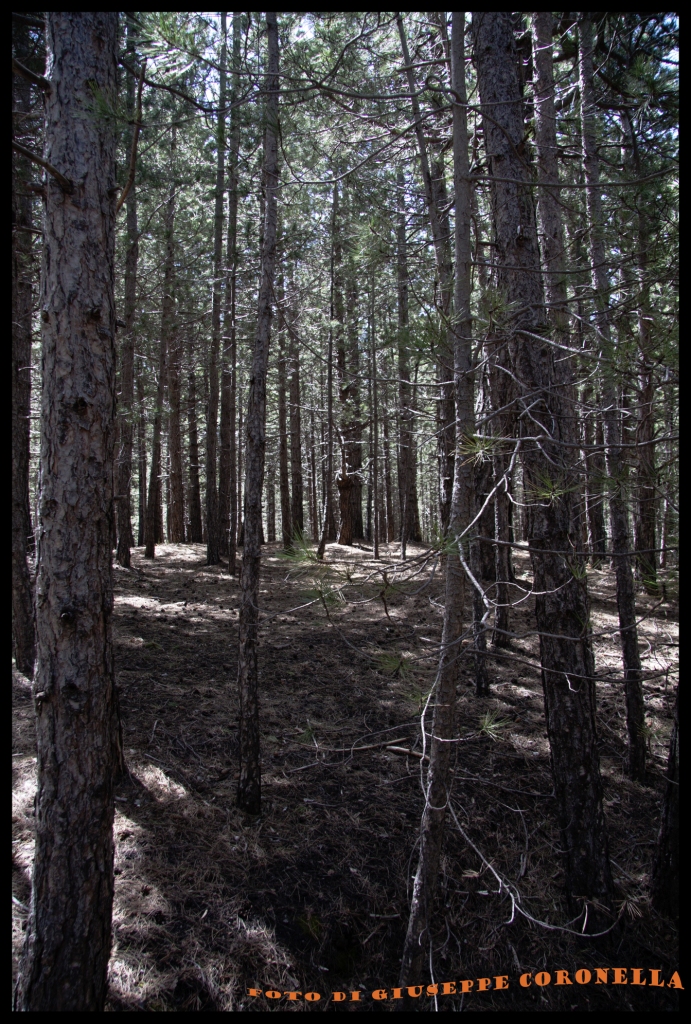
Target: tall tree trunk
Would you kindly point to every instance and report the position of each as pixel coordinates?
(375, 424)
(314, 504)
(152, 531)
(240, 525)
(271, 504)
(328, 523)
(388, 493)
(23, 630)
(407, 482)
(665, 873)
(195, 502)
(353, 435)
(141, 457)
(297, 515)
(616, 469)
(437, 788)
(126, 411)
(126, 405)
(435, 195)
(283, 478)
(154, 505)
(227, 514)
(249, 784)
(561, 601)
(68, 936)
(213, 555)
(176, 503)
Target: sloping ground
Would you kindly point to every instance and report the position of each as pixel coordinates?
(313, 894)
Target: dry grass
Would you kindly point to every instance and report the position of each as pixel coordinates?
(313, 894)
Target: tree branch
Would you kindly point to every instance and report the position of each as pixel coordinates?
(135, 139)
(64, 183)
(37, 80)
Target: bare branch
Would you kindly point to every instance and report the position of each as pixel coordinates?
(37, 80)
(64, 183)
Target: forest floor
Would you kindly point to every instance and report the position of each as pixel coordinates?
(313, 894)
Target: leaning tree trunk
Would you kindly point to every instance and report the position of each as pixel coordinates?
(561, 600)
(616, 467)
(437, 788)
(68, 935)
(22, 309)
(249, 783)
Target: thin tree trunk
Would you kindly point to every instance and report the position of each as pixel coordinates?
(314, 515)
(561, 602)
(154, 506)
(152, 533)
(437, 788)
(616, 469)
(227, 514)
(328, 525)
(249, 784)
(240, 525)
(297, 515)
(141, 456)
(435, 191)
(176, 495)
(375, 425)
(271, 504)
(388, 493)
(407, 482)
(23, 628)
(283, 478)
(213, 555)
(68, 936)
(195, 502)
(126, 404)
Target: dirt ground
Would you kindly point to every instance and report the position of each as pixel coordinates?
(313, 894)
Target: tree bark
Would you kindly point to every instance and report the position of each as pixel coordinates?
(141, 457)
(249, 784)
(328, 523)
(314, 514)
(68, 935)
(407, 482)
(375, 424)
(213, 555)
(283, 477)
(176, 503)
(296, 515)
(126, 405)
(23, 628)
(154, 507)
(616, 468)
(194, 535)
(437, 783)
(227, 502)
(561, 601)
